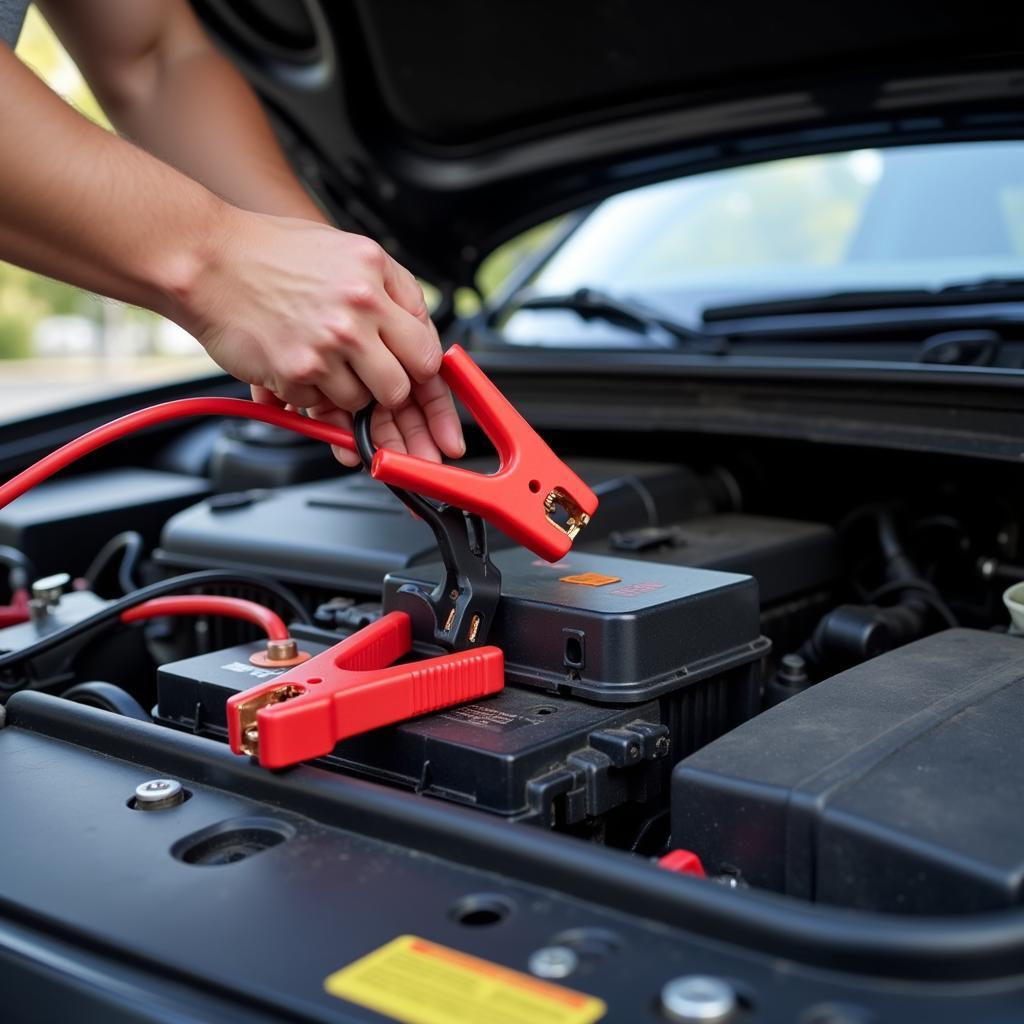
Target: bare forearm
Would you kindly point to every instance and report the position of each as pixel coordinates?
(201, 116)
(164, 85)
(79, 204)
(308, 315)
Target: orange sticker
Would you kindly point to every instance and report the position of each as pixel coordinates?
(420, 982)
(590, 579)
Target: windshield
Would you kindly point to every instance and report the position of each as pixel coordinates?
(906, 218)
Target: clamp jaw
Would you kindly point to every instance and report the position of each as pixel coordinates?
(354, 687)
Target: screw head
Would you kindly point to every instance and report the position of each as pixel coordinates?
(157, 794)
(553, 962)
(698, 999)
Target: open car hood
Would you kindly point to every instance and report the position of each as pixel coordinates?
(443, 129)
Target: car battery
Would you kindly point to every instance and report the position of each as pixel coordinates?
(612, 630)
(527, 756)
(787, 557)
(615, 670)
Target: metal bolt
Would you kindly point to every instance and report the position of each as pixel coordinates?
(49, 589)
(698, 999)
(282, 650)
(158, 794)
(730, 881)
(553, 962)
(661, 745)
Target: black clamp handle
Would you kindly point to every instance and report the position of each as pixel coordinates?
(462, 607)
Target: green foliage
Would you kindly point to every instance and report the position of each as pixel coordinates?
(15, 337)
(27, 298)
(500, 263)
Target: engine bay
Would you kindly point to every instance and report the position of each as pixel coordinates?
(800, 682)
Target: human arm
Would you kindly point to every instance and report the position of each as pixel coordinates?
(318, 317)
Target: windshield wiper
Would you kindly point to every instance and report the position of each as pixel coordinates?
(592, 304)
(993, 289)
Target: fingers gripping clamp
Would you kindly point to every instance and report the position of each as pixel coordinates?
(531, 483)
(351, 688)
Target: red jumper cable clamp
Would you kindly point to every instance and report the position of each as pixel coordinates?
(354, 686)
(351, 688)
(521, 497)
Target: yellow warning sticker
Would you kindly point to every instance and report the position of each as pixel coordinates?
(419, 982)
(590, 579)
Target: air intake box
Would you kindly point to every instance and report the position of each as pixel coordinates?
(894, 786)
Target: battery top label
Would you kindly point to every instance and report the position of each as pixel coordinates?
(419, 982)
(590, 579)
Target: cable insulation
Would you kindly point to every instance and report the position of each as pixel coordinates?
(131, 544)
(183, 408)
(207, 604)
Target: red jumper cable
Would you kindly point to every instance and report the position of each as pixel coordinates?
(354, 685)
(531, 480)
(209, 604)
(520, 498)
(17, 611)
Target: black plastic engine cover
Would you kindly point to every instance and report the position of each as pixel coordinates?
(96, 506)
(348, 532)
(893, 786)
(787, 557)
(112, 915)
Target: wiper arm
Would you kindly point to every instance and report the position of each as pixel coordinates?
(592, 304)
(993, 289)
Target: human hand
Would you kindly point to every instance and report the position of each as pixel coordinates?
(321, 319)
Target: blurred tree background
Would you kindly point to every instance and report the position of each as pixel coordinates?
(59, 345)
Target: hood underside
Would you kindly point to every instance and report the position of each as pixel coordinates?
(442, 129)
